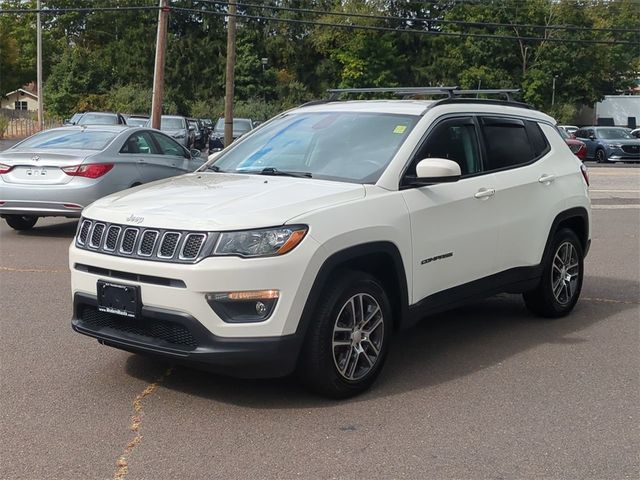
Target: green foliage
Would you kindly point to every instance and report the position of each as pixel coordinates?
(105, 59)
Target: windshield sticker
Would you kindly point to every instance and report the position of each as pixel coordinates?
(400, 129)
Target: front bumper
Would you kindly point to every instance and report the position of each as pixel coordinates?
(182, 339)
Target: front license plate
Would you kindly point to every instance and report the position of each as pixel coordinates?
(119, 299)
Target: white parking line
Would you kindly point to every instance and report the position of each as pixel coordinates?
(614, 207)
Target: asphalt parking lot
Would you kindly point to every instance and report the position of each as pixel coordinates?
(486, 391)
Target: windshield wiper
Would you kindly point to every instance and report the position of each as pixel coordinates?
(284, 173)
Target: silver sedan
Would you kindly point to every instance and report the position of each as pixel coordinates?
(58, 172)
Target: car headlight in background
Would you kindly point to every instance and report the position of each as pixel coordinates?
(614, 145)
(260, 243)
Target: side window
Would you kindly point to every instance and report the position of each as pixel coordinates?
(169, 146)
(580, 133)
(538, 140)
(507, 143)
(139, 143)
(454, 139)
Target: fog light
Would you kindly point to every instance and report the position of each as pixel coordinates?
(243, 307)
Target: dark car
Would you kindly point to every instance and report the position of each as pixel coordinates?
(101, 118)
(240, 127)
(578, 148)
(610, 144)
(200, 135)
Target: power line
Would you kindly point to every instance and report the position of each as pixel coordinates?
(423, 20)
(402, 30)
(54, 11)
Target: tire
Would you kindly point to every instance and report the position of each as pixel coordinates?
(601, 156)
(564, 270)
(21, 222)
(350, 367)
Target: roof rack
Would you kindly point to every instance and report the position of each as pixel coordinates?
(336, 92)
(408, 92)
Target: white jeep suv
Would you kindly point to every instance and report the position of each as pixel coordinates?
(306, 244)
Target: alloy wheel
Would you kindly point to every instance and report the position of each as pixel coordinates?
(565, 273)
(358, 334)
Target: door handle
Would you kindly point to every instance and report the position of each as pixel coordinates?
(546, 179)
(485, 193)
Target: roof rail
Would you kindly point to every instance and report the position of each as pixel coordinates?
(507, 92)
(405, 91)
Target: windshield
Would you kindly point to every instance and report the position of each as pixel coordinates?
(344, 146)
(98, 119)
(171, 124)
(137, 122)
(613, 133)
(75, 140)
(240, 125)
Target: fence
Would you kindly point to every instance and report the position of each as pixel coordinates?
(20, 124)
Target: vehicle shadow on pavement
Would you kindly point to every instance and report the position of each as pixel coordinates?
(56, 230)
(440, 349)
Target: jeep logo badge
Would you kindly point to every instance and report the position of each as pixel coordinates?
(132, 218)
(35, 158)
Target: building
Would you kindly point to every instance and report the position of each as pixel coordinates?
(23, 98)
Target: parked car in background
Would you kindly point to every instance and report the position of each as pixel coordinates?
(137, 120)
(240, 127)
(577, 147)
(610, 144)
(177, 128)
(199, 133)
(208, 125)
(60, 171)
(73, 120)
(101, 118)
(570, 129)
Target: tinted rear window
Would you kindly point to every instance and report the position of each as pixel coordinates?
(507, 143)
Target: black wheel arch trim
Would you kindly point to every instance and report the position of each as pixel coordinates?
(341, 258)
(572, 213)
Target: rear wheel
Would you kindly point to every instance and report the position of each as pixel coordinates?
(601, 156)
(561, 281)
(347, 343)
(21, 222)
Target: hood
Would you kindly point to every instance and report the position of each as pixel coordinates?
(220, 201)
(47, 157)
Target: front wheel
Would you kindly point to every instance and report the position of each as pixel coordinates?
(601, 156)
(562, 276)
(347, 343)
(21, 222)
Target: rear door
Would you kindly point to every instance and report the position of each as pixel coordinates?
(527, 194)
(139, 153)
(584, 135)
(454, 226)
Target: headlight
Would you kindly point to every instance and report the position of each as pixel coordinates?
(260, 243)
(614, 145)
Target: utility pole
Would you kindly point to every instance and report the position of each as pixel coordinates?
(158, 73)
(231, 62)
(553, 91)
(39, 67)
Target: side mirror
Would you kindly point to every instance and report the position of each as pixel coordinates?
(195, 153)
(592, 137)
(256, 123)
(437, 170)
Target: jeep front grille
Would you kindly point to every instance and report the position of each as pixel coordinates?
(144, 243)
